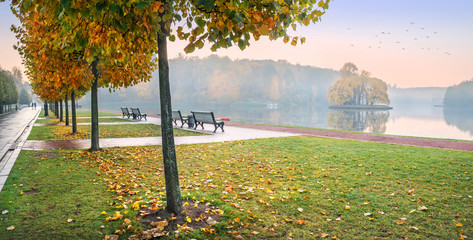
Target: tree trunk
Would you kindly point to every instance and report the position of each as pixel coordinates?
(56, 109)
(61, 119)
(94, 109)
(67, 110)
(73, 105)
(46, 112)
(171, 175)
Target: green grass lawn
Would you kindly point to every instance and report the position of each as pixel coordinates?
(82, 120)
(299, 187)
(80, 113)
(50, 133)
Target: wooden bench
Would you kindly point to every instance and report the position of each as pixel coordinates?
(206, 117)
(176, 115)
(125, 112)
(137, 114)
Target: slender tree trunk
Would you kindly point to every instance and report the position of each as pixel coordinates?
(171, 175)
(56, 109)
(67, 110)
(73, 105)
(94, 109)
(1, 107)
(61, 119)
(46, 112)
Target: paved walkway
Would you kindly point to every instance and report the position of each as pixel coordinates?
(14, 129)
(231, 133)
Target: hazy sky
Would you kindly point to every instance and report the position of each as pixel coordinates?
(410, 43)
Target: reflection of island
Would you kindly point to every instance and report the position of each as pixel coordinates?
(462, 118)
(358, 120)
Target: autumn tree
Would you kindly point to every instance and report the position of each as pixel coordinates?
(348, 70)
(117, 53)
(354, 89)
(119, 30)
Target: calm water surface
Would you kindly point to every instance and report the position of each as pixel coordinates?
(405, 120)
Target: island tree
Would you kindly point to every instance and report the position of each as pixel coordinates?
(357, 89)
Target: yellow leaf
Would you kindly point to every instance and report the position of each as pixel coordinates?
(10, 228)
(160, 225)
(103, 213)
(127, 221)
(347, 207)
(300, 222)
(188, 219)
(136, 205)
(237, 219)
(459, 225)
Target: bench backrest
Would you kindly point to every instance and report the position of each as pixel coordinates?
(206, 117)
(176, 115)
(135, 111)
(125, 110)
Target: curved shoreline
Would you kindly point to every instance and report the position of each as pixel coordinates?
(398, 140)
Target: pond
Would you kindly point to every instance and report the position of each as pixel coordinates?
(406, 120)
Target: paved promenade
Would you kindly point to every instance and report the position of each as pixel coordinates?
(231, 133)
(14, 129)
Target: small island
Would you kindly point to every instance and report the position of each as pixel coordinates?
(358, 91)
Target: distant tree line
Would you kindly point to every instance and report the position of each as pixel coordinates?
(223, 81)
(460, 95)
(12, 89)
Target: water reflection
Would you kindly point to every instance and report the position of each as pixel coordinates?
(460, 118)
(358, 120)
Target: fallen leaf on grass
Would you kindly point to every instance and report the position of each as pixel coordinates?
(10, 228)
(254, 232)
(103, 213)
(367, 214)
(5, 212)
(300, 209)
(459, 225)
(160, 225)
(422, 208)
(300, 222)
(323, 235)
(69, 220)
(347, 207)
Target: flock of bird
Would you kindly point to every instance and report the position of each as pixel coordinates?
(386, 37)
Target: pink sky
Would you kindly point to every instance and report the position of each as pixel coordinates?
(409, 43)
